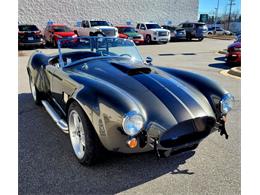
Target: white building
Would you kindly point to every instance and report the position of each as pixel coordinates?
(115, 11)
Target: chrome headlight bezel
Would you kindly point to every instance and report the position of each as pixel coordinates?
(226, 103)
(133, 123)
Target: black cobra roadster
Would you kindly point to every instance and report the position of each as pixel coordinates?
(101, 92)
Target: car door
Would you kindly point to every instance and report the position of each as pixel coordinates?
(84, 30)
(62, 87)
(143, 30)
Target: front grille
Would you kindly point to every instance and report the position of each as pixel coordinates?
(137, 37)
(188, 131)
(109, 32)
(162, 33)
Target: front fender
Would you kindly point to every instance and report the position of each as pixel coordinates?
(210, 89)
(106, 105)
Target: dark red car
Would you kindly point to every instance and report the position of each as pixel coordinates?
(129, 32)
(54, 32)
(234, 53)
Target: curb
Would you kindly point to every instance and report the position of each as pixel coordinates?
(233, 72)
(236, 71)
(223, 51)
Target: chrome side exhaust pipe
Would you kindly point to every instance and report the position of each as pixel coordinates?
(55, 116)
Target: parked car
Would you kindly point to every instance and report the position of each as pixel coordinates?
(105, 96)
(29, 35)
(96, 28)
(218, 31)
(129, 32)
(196, 30)
(176, 33)
(233, 56)
(153, 32)
(55, 32)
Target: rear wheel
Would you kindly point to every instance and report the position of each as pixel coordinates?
(84, 140)
(35, 93)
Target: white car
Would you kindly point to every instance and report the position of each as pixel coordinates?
(95, 28)
(153, 32)
(219, 31)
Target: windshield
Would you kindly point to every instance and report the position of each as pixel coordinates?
(28, 28)
(99, 23)
(61, 29)
(72, 50)
(151, 26)
(127, 30)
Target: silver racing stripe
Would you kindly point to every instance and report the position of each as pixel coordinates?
(179, 100)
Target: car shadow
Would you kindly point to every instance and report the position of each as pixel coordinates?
(219, 66)
(47, 164)
(222, 59)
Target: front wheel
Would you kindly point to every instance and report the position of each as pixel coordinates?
(148, 39)
(84, 140)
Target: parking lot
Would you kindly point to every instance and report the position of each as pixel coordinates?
(47, 163)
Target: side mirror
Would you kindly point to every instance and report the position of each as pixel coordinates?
(149, 60)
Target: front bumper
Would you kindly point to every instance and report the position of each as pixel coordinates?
(161, 38)
(183, 135)
(138, 41)
(233, 57)
(179, 37)
(36, 43)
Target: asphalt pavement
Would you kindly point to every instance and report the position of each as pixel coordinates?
(47, 164)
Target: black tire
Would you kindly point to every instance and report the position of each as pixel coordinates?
(200, 39)
(188, 37)
(93, 147)
(35, 94)
(99, 34)
(148, 39)
(54, 43)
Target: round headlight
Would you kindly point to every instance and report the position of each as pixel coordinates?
(133, 123)
(226, 103)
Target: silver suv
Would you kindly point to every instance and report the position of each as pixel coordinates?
(196, 30)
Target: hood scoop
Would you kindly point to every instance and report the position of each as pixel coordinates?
(132, 69)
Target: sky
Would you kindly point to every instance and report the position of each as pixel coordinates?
(208, 6)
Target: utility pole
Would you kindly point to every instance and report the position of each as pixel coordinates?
(231, 3)
(216, 16)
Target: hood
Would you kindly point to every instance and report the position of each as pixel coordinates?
(236, 44)
(65, 34)
(159, 30)
(132, 34)
(104, 27)
(173, 101)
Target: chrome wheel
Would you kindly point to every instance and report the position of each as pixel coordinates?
(33, 90)
(77, 135)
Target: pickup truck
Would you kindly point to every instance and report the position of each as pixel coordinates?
(153, 32)
(95, 28)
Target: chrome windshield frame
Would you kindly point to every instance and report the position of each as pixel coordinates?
(93, 46)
